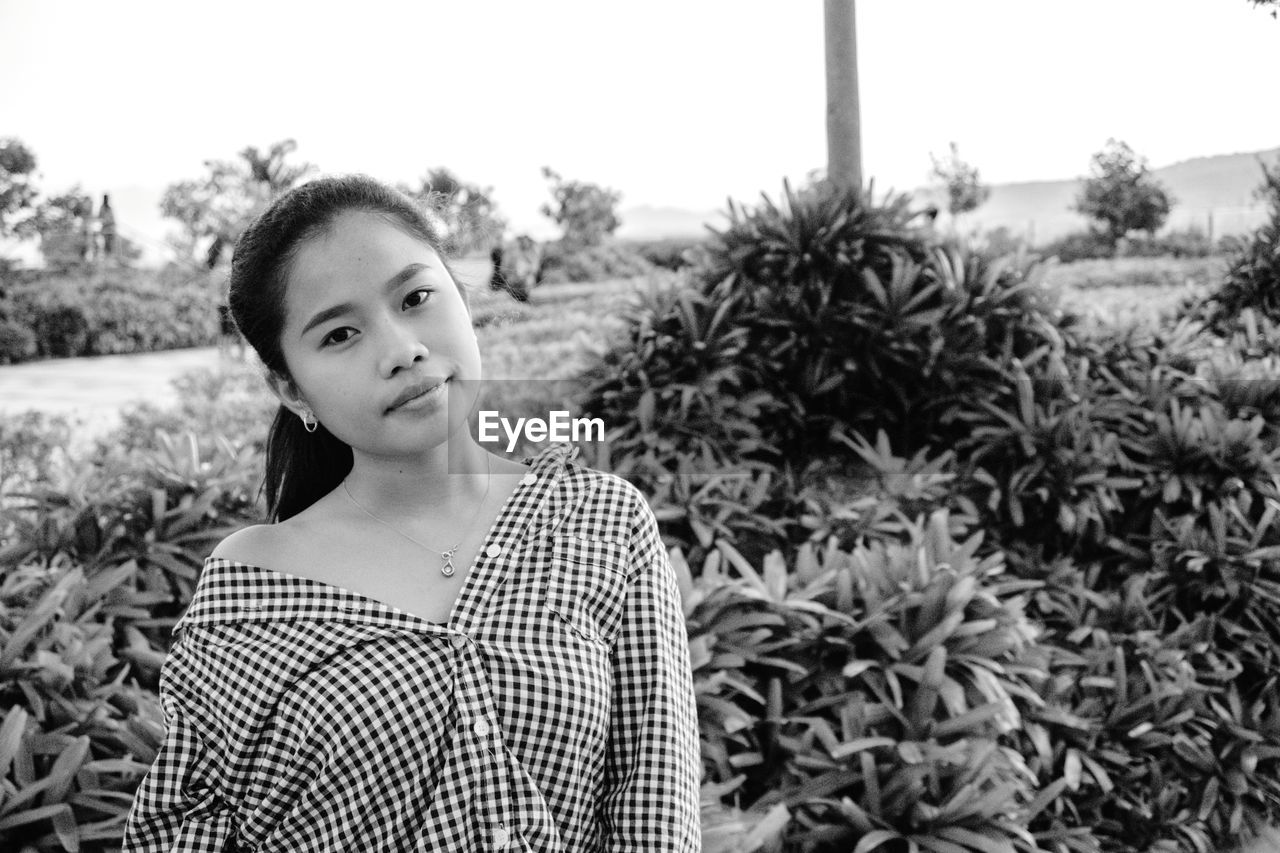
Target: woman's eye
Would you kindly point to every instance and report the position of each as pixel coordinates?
(424, 293)
(329, 338)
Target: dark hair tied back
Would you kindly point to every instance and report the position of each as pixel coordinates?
(302, 467)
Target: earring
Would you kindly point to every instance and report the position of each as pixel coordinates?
(309, 425)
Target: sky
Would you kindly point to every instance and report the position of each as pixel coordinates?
(675, 103)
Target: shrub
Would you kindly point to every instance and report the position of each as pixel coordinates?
(228, 402)
(1129, 476)
(1091, 245)
(99, 560)
(1078, 246)
(563, 262)
(1160, 273)
(17, 342)
(1001, 241)
(75, 737)
(671, 253)
(1253, 279)
(127, 311)
(1190, 242)
(872, 694)
(32, 445)
(62, 331)
(810, 321)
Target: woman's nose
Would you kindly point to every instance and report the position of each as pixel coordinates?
(403, 349)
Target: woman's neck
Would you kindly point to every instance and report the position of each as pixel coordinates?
(456, 471)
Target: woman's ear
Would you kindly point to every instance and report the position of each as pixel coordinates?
(286, 392)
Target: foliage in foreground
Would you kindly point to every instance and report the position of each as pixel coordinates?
(873, 694)
(97, 560)
(1133, 473)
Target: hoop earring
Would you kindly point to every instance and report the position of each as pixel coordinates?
(309, 426)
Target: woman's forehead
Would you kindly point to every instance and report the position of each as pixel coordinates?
(356, 249)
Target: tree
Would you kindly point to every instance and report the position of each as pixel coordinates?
(64, 223)
(585, 212)
(1267, 3)
(466, 212)
(1122, 194)
(217, 207)
(965, 192)
(17, 190)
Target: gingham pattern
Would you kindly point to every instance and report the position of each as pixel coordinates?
(554, 713)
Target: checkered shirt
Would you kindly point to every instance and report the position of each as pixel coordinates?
(554, 713)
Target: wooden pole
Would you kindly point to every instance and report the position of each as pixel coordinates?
(844, 137)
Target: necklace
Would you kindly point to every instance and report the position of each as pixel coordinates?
(446, 557)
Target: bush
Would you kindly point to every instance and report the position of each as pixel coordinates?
(32, 445)
(1078, 246)
(1129, 477)
(670, 253)
(1253, 279)
(232, 403)
(1161, 273)
(125, 312)
(1001, 241)
(17, 342)
(1190, 242)
(872, 695)
(1090, 245)
(563, 262)
(62, 331)
(99, 560)
(808, 322)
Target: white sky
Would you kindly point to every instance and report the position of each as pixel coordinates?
(674, 102)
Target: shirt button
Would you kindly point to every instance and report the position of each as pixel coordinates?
(459, 641)
(481, 728)
(493, 550)
(500, 838)
(528, 479)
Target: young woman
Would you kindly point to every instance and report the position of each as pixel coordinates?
(430, 647)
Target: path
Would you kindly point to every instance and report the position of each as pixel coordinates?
(90, 391)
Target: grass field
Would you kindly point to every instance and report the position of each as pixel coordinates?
(1133, 290)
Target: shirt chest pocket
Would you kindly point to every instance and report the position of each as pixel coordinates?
(586, 586)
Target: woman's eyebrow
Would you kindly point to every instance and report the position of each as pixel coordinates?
(342, 308)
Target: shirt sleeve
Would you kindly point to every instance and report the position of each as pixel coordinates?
(176, 807)
(650, 797)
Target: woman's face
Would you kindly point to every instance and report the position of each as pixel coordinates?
(370, 314)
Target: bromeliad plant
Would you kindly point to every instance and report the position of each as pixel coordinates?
(803, 324)
(74, 737)
(874, 693)
(96, 561)
(164, 510)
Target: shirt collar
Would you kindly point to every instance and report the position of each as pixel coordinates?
(229, 591)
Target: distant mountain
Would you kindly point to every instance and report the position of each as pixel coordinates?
(1212, 193)
(653, 223)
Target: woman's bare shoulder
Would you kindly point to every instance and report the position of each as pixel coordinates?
(281, 545)
(256, 545)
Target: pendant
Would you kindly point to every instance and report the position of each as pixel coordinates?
(447, 556)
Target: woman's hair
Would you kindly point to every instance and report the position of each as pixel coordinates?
(302, 467)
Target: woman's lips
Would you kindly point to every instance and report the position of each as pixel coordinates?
(415, 398)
